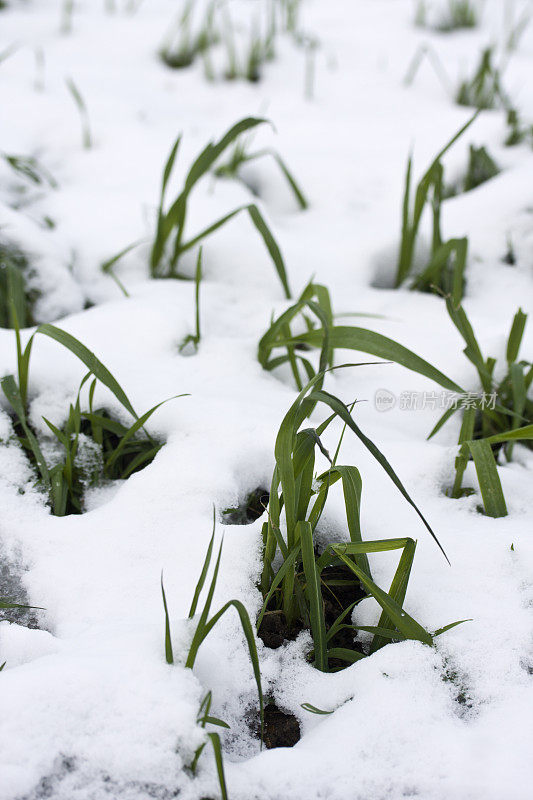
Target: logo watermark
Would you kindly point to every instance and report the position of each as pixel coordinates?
(385, 400)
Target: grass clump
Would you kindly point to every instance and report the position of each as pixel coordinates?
(169, 244)
(182, 46)
(481, 168)
(297, 581)
(494, 417)
(230, 50)
(517, 131)
(92, 445)
(446, 262)
(484, 89)
(455, 15)
(501, 414)
(30, 169)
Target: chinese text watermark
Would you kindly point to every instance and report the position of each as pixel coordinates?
(385, 400)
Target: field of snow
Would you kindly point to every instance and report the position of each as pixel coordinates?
(89, 707)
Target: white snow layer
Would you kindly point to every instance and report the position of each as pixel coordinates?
(89, 708)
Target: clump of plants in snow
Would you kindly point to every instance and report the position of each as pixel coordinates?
(484, 88)
(169, 242)
(92, 445)
(496, 416)
(448, 17)
(518, 131)
(446, 262)
(481, 167)
(207, 30)
(30, 175)
(491, 427)
(304, 587)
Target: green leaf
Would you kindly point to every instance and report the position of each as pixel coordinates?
(217, 750)
(90, 360)
(450, 626)
(271, 245)
(169, 655)
(203, 574)
(366, 341)
(313, 709)
(489, 480)
(338, 406)
(130, 433)
(405, 623)
(314, 595)
(515, 336)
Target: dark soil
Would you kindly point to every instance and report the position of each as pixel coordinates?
(281, 729)
(252, 507)
(274, 630)
(340, 589)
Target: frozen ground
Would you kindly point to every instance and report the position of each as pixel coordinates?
(89, 709)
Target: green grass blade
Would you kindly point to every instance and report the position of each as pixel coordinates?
(250, 640)
(489, 480)
(410, 628)
(366, 341)
(271, 245)
(90, 360)
(130, 433)
(515, 336)
(351, 656)
(314, 595)
(313, 709)
(203, 574)
(214, 738)
(169, 654)
(338, 406)
(397, 590)
(450, 626)
(525, 433)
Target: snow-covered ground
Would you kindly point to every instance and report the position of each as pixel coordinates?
(89, 708)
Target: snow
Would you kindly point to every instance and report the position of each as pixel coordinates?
(89, 708)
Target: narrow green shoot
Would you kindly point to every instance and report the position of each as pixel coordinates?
(86, 136)
(194, 339)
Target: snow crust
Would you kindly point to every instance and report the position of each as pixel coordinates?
(89, 709)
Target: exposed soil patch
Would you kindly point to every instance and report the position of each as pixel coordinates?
(274, 630)
(281, 729)
(252, 507)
